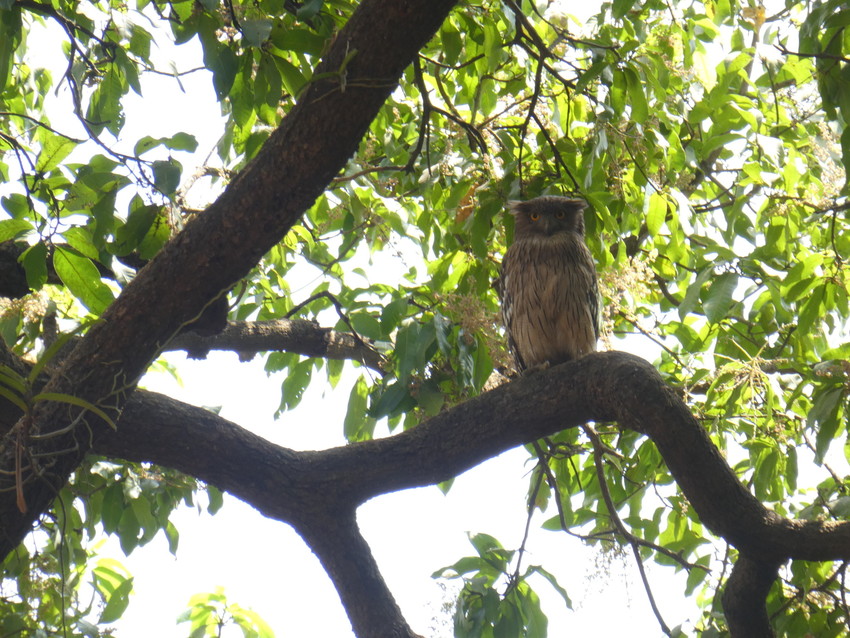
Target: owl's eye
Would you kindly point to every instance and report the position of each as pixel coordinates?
(560, 214)
(534, 216)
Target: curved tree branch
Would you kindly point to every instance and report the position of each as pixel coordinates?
(290, 335)
(610, 386)
(745, 595)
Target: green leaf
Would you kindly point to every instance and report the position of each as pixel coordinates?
(130, 235)
(145, 144)
(13, 380)
(637, 97)
(622, 7)
(824, 417)
(391, 398)
(10, 38)
(295, 383)
(54, 149)
(216, 499)
(16, 205)
(112, 507)
(34, 261)
(166, 175)
(177, 142)
(537, 569)
(366, 325)
(48, 355)
(80, 403)
(105, 110)
(14, 397)
(80, 239)
(718, 300)
(656, 212)
(114, 585)
(256, 31)
(82, 278)
(224, 65)
(182, 142)
(309, 9)
(172, 535)
(11, 228)
(357, 426)
(293, 78)
(693, 293)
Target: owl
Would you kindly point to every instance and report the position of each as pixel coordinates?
(550, 299)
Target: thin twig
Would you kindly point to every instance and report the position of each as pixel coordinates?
(532, 498)
(598, 458)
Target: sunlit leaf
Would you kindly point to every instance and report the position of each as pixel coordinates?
(82, 278)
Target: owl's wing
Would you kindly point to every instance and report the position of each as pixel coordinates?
(499, 287)
(594, 302)
(506, 311)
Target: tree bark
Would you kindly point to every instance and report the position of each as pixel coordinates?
(745, 595)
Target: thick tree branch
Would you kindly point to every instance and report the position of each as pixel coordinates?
(610, 386)
(603, 387)
(745, 595)
(346, 557)
(311, 146)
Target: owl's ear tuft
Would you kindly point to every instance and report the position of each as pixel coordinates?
(516, 207)
(580, 204)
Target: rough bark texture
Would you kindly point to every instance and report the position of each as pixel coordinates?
(744, 596)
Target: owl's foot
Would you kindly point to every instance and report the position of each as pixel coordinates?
(540, 367)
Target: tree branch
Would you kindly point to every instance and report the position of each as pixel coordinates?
(745, 595)
(607, 386)
(299, 336)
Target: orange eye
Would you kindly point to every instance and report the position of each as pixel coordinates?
(560, 214)
(534, 216)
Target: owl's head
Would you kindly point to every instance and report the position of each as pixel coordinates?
(549, 216)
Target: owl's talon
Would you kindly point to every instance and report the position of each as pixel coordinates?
(540, 367)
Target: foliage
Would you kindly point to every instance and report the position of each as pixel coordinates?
(209, 613)
(710, 139)
(487, 607)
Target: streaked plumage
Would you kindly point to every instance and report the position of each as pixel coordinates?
(550, 298)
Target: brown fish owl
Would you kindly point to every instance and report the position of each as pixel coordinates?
(550, 299)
